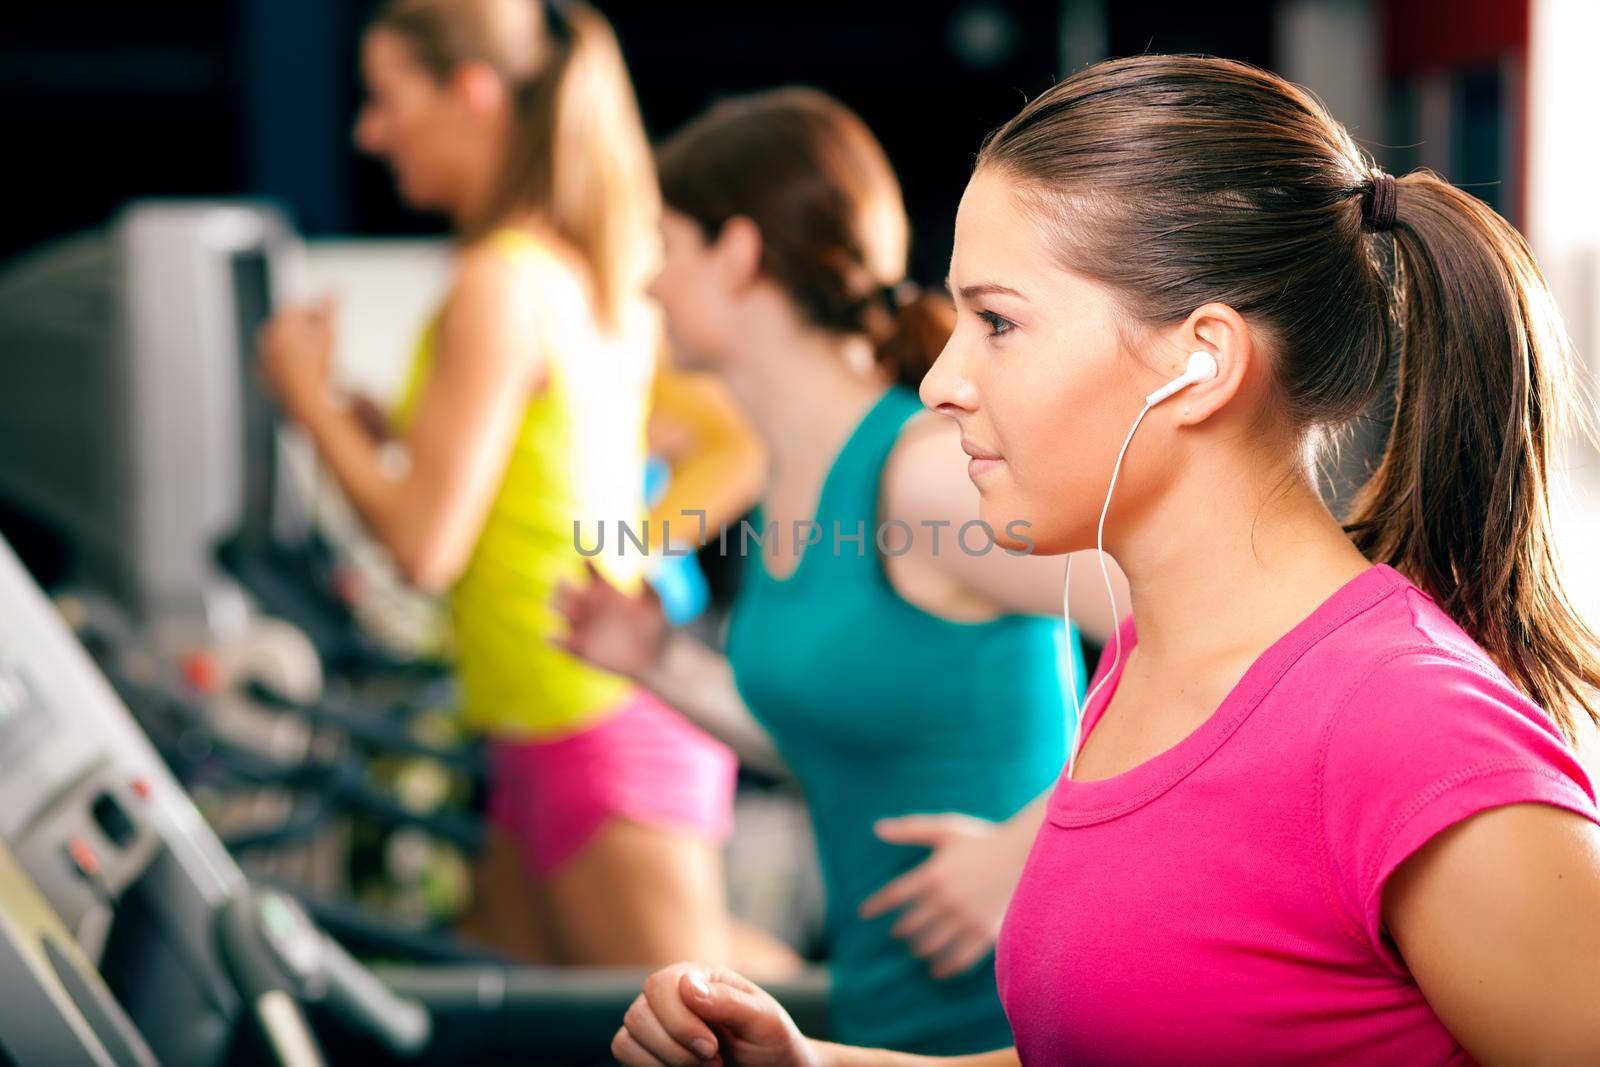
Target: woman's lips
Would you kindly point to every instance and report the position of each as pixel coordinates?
(982, 461)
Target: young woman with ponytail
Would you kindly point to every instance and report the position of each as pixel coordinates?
(524, 414)
(1327, 808)
(891, 670)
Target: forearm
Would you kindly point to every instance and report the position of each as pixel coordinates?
(357, 462)
(707, 494)
(721, 466)
(830, 1055)
(698, 681)
(380, 479)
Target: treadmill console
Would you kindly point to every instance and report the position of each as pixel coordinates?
(92, 822)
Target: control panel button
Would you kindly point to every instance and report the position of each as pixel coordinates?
(203, 672)
(83, 858)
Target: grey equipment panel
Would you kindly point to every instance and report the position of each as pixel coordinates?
(83, 788)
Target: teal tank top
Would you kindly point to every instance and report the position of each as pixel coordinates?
(882, 709)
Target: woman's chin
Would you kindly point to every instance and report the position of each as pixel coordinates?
(1025, 536)
(1027, 544)
(1016, 535)
(416, 196)
(688, 356)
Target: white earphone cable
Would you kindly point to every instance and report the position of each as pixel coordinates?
(1066, 604)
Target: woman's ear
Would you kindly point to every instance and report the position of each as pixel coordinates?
(1220, 330)
(738, 252)
(478, 88)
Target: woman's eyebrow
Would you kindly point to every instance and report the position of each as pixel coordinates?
(985, 289)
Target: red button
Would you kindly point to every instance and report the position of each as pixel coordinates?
(202, 671)
(141, 788)
(83, 857)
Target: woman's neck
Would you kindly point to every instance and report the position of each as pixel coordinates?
(523, 220)
(480, 165)
(803, 390)
(1231, 559)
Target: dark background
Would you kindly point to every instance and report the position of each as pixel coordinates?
(105, 101)
(108, 101)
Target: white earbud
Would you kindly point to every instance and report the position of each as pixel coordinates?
(1202, 368)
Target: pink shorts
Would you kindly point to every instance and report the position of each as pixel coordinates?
(644, 762)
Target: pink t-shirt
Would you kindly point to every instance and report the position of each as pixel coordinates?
(1218, 904)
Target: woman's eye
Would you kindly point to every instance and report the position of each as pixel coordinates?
(997, 324)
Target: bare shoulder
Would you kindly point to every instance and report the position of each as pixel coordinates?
(512, 257)
(486, 275)
(925, 476)
(492, 313)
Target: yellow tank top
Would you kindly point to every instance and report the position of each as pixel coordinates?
(579, 457)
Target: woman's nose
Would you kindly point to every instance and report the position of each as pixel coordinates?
(363, 134)
(945, 388)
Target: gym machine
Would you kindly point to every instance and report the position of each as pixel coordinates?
(129, 936)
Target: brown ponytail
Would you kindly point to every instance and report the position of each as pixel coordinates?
(810, 175)
(1178, 180)
(1460, 501)
(579, 156)
(909, 331)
